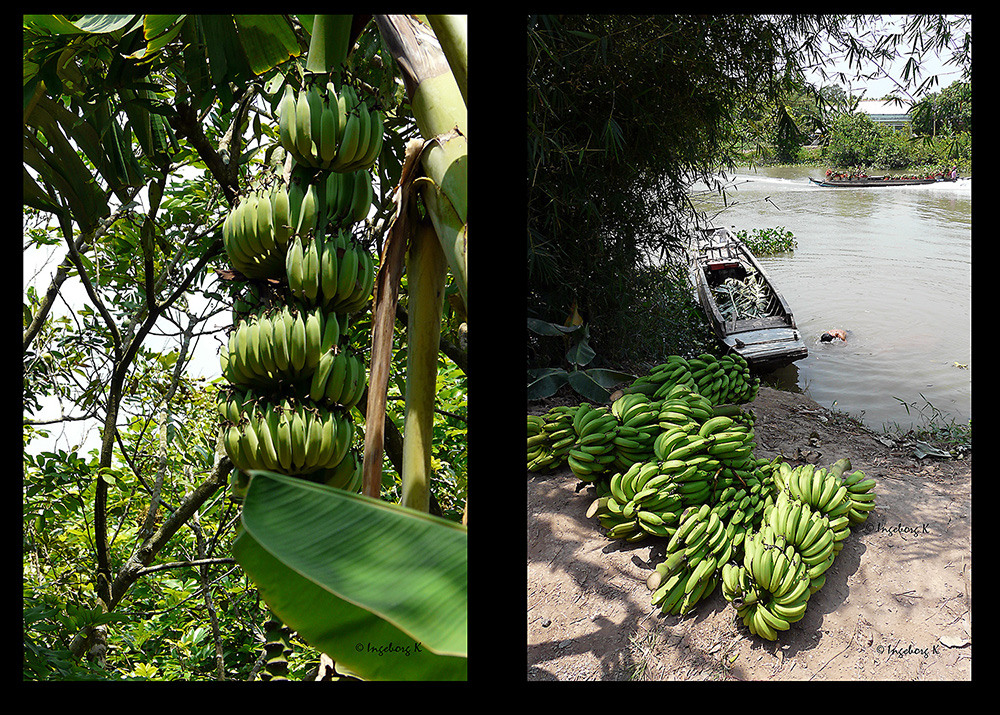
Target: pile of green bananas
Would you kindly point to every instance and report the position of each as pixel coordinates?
(327, 131)
(722, 381)
(330, 271)
(785, 561)
(648, 498)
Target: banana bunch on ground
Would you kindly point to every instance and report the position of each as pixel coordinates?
(550, 437)
(538, 445)
(718, 443)
(644, 500)
(637, 428)
(770, 590)
(334, 272)
(742, 498)
(291, 437)
(594, 450)
(859, 491)
(280, 345)
(326, 130)
(694, 552)
(787, 559)
(674, 371)
(826, 492)
(682, 407)
(724, 380)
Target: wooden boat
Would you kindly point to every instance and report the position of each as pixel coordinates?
(762, 329)
(875, 181)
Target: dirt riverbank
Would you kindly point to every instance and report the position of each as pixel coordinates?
(896, 604)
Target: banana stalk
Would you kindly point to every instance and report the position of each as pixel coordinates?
(452, 31)
(328, 47)
(426, 272)
(439, 108)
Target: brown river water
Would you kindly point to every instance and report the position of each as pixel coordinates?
(890, 265)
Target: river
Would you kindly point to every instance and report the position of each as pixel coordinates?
(890, 265)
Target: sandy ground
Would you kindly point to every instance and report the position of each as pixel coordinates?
(897, 604)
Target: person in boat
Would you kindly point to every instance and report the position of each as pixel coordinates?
(954, 174)
(836, 333)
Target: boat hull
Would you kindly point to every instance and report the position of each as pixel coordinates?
(868, 183)
(767, 341)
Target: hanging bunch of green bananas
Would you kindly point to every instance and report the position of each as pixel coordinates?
(280, 345)
(330, 271)
(327, 131)
(256, 231)
(294, 356)
(291, 437)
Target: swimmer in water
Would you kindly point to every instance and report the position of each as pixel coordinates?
(829, 335)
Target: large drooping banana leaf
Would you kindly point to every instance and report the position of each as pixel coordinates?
(380, 588)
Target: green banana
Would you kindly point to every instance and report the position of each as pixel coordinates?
(361, 198)
(295, 268)
(311, 272)
(347, 274)
(297, 344)
(282, 358)
(375, 145)
(280, 217)
(335, 383)
(328, 269)
(352, 135)
(303, 129)
(714, 425)
(314, 335)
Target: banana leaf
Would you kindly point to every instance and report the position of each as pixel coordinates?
(381, 589)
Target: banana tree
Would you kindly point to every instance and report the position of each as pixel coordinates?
(319, 580)
(418, 559)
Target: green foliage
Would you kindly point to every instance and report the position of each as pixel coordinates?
(592, 384)
(855, 140)
(624, 112)
(764, 241)
(946, 112)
